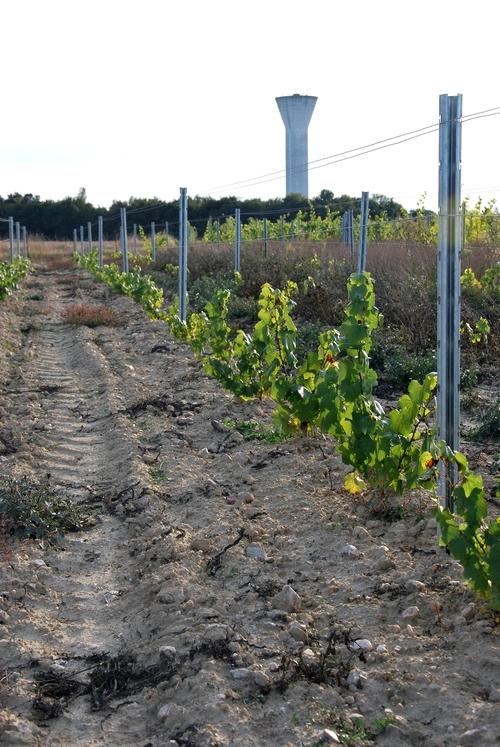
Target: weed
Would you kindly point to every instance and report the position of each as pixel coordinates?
(252, 430)
(490, 425)
(29, 509)
(159, 473)
(92, 316)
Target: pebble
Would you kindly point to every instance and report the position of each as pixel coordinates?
(309, 657)
(261, 679)
(171, 596)
(287, 599)
(413, 585)
(356, 679)
(410, 613)
(256, 551)
(216, 632)
(361, 533)
(201, 543)
(410, 630)
(469, 611)
(40, 563)
(329, 736)
(170, 711)
(471, 737)
(240, 674)
(384, 564)
(167, 653)
(298, 632)
(381, 648)
(184, 420)
(4, 617)
(350, 551)
(394, 628)
(231, 500)
(361, 644)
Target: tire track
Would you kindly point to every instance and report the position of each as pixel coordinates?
(84, 595)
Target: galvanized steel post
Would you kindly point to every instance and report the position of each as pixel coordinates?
(25, 242)
(75, 239)
(282, 229)
(351, 231)
(18, 239)
(100, 242)
(11, 239)
(217, 232)
(183, 250)
(237, 240)
(363, 231)
(166, 234)
(134, 238)
(264, 235)
(89, 236)
(153, 241)
(448, 285)
(81, 240)
(124, 240)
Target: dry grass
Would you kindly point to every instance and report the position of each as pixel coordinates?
(92, 316)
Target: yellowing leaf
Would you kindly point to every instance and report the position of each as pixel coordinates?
(353, 483)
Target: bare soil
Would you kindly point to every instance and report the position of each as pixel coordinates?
(164, 623)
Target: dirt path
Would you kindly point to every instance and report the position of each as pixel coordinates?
(177, 602)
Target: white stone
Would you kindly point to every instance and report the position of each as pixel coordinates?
(361, 644)
(167, 653)
(330, 737)
(350, 551)
(287, 599)
(410, 613)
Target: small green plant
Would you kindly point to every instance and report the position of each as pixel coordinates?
(29, 509)
(490, 423)
(253, 430)
(159, 473)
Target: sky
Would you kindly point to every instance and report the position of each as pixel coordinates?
(138, 99)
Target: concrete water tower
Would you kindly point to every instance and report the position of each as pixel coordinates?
(296, 112)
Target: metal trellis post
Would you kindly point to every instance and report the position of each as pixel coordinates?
(75, 239)
(81, 240)
(166, 234)
(264, 235)
(217, 232)
(351, 231)
(18, 239)
(124, 240)
(448, 287)
(100, 244)
(89, 236)
(363, 231)
(11, 239)
(25, 242)
(134, 238)
(183, 250)
(237, 239)
(153, 241)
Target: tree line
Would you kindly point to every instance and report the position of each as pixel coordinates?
(56, 219)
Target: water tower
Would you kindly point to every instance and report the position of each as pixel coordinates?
(296, 112)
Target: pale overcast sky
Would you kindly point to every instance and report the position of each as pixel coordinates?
(139, 98)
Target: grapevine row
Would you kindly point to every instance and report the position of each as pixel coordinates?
(331, 391)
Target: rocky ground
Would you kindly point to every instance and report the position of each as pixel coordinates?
(228, 592)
